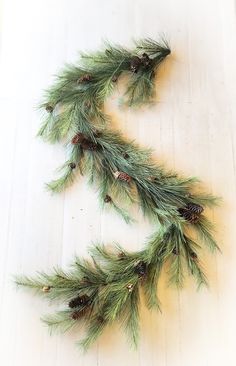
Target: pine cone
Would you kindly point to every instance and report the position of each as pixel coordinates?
(175, 251)
(125, 155)
(107, 198)
(84, 300)
(84, 78)
(141, 269)
(79, 301)
(72, 165)
(188, 215)
(121, 255)
(193, 255)
(122, 176)
(114, 78)
(49, 108)
(135, 64)
(100, 319)
(78, 138)
(130, 287)
(89, 145)
(145, 60)
(46, 288)
(194, 207)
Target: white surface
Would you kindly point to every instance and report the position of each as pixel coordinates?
(191, 128)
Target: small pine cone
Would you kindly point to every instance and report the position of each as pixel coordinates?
(135, 63)
(79, 301)
(189, 216)
(145, 59)
(46, 288)
(175, 251)
(130, 287)
(84, 78)
(193, 255)
(49, 108)
(78, 138)
(194, 207)
(125, 155)
(84, 300)
(121, 255)
(123, 176)
(114, 78)
(72, 165)
(89, 145)
(100, 319)
(141, 269)
(107, 199)
(73, 303)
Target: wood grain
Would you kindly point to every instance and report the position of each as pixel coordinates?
(192, 130)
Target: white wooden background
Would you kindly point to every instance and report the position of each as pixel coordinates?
(191, 128)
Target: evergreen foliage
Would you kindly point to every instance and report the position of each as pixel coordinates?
(106, 287)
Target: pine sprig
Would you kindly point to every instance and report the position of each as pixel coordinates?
(61, 321)
(111, 281)
(79, 92)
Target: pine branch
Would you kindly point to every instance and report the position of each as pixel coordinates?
(61, 321)
(105, 288)
(80, 91)
(205, 229)
(130, 316)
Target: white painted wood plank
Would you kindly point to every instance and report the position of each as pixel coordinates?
(191, 128)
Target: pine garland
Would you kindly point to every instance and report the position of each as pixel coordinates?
(106, 287)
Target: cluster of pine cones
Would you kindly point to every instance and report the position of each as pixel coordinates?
(191, 212)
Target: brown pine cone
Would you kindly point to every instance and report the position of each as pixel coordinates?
(114, 78)
(145, 60)
(141, 269)
(79, 301)
(122, 176)
(107, 198)
(130, 287)
(194, 207)
(135, 64)
(49, 108)
(89, 145)
(46, 288)
(193, 255)
(78, 138)
(125, 155)
(72, 165)
(175, 251)
(100, 319)
(84, 78)
(121, 255)
(188, 215)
